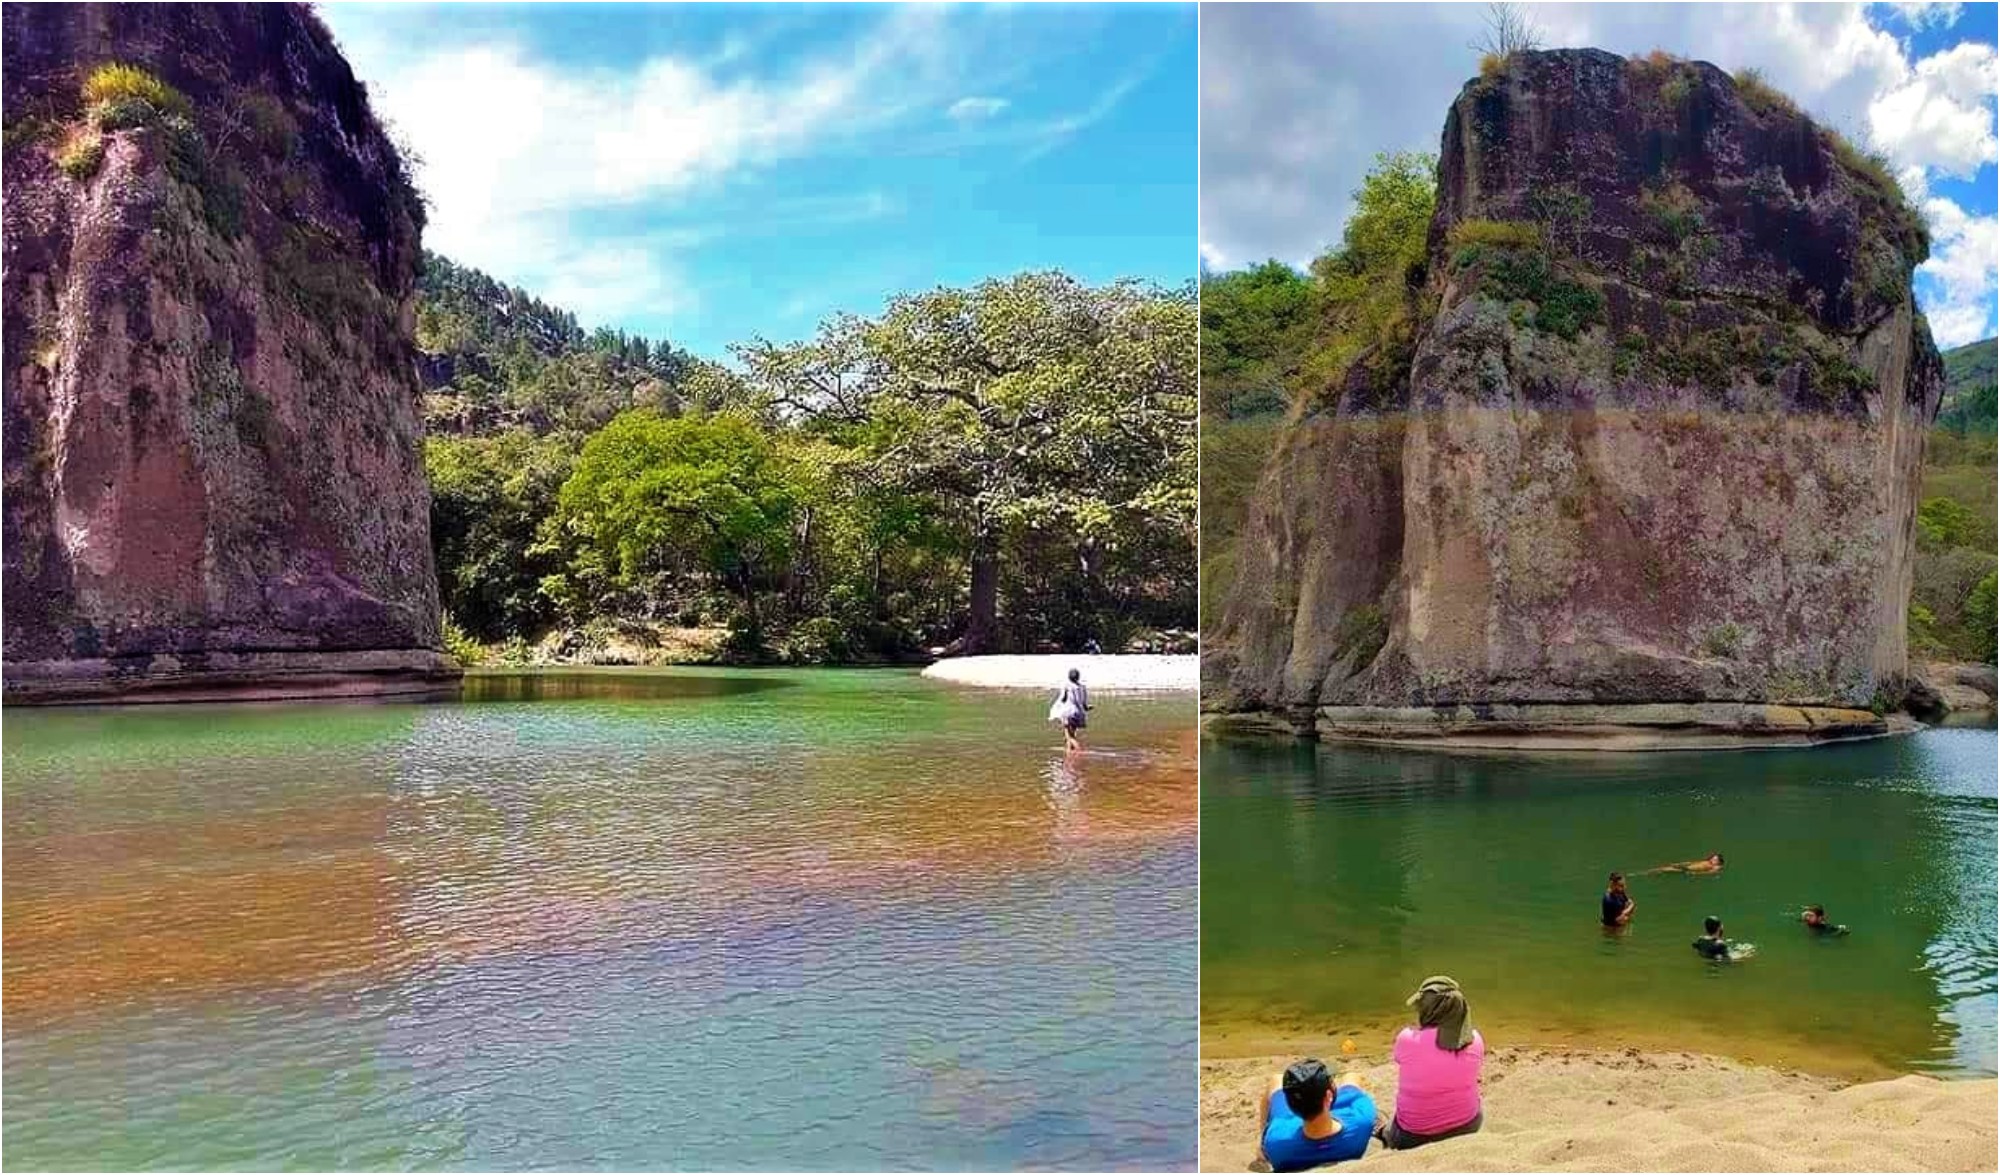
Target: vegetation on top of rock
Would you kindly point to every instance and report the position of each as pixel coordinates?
(1759, 95)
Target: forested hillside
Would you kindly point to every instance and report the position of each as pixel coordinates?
(1005, 467)
(1952, 604)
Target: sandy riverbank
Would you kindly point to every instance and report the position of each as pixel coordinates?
(1107, 673)
(1627, 1110)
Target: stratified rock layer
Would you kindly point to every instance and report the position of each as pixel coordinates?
(214, 480)
(1659, 446)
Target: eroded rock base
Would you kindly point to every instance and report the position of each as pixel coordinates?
(230, 677)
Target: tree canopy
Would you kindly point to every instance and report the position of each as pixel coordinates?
(1005, 466)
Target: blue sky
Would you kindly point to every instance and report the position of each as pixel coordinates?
(1294, 110)
(710, 173)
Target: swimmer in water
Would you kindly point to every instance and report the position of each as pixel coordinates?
(1711, 945)
(1618, 905)
(1815, 920)
(1709, 864)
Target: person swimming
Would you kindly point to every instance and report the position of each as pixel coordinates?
(1815, 920)
(1711, 944)
(1617, 906)
(1709, 864)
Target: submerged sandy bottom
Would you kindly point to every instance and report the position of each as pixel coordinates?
(1559, 1110)
(1109, 672)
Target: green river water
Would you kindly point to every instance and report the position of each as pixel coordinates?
(1335, 879)
(631, 919)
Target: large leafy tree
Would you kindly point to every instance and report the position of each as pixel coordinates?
(1026, 407)
(655, 496)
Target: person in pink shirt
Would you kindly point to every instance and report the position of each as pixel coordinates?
(1437, 1070)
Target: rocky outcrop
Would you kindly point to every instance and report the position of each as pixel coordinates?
(1656, 454)
(214, 479)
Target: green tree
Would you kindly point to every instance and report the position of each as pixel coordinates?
(655, 496)
(1255, 324)
(1020, 407)
(489, 496)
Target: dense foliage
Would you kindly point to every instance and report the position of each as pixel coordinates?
(1970, 384)
(1952, 600)
(1010, 466)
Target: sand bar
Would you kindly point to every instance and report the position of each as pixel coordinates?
(1106, 673)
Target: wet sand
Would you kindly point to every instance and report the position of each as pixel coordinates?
(1627, 1110)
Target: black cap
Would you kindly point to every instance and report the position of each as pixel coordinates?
(1306, 1083)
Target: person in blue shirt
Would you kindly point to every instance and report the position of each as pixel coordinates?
(1305, 1121)
(1617, 905)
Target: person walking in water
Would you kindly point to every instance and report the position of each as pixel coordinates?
(1071, 709)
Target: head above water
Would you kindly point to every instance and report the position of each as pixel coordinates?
(1711, 925)
(1815, 915)
(1715, 858)
(1073, 675)
(1308, 1088)
(1617, 883)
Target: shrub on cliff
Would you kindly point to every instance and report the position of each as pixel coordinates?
(81, 155)
(116, 83)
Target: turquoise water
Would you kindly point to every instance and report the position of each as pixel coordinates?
(634, 919)
(1335, 879)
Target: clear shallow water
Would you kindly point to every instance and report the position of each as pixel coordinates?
(628, 919)
(1336, 879)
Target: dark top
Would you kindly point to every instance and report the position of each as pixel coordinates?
(1614, 905)
(1712, 948)
(1826, 928)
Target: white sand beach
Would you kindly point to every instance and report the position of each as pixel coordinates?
(1105, 673)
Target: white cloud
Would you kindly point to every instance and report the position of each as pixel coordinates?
(1213, 257)
(1957, 283)
(1920, 14)
(974, 109)
(525, 161)
(1941, 115)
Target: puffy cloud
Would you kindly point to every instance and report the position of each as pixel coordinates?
(1957, 284)
(1941, 115)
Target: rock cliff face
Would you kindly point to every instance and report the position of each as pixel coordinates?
(214, 483)
(1653, 471)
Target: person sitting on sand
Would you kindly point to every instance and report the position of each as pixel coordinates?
(1618, 905)
(1306, 1120)
(1711, 944)
(1071, 708)
(1815, 920)
(1437, 1070)
(1709, 864)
